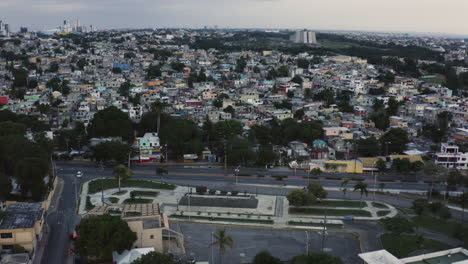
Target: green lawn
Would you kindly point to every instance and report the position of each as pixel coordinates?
(332, 212)
(113, 200)
(89, 205)
(379, 205)
(138, 201)
(383, 213)
(340, 203)
(435, 224)
(298, 223)
(144, 193)
(97, 185)
(335, 44)
(260, 221)
(403, 245)
(120, 193)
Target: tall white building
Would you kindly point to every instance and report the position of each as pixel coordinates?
(451, 158)
(304, 36)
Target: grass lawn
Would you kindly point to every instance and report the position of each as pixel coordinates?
(446, 227)
(89, 205)
(379, 205)
(383, 213)
(260, 221)
(113, 200)
(144, 193)
(332, 212)
(335, 45)
(138, 201)
(406, 210)
(96, 185)
(402, 245)
(298, 223)
(120, 193)
(340, 203)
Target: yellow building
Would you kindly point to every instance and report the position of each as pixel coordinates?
(21, 226)
(344, 166)
(151, 227)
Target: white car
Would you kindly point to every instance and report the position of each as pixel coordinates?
(79, 174)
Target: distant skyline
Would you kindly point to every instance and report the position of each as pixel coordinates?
(434, 16)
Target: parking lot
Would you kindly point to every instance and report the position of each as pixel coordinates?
(283, 244)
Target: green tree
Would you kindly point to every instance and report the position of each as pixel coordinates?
(6, 189)
(395, 140)
(154, 258)
(381, 165)
(397, 225)
(316, 258)
(317, 190)
(222, 240)
(420, 206)
(153, 72)
(158, 107)
(111, 122)
(12, 128)
(121, 173)
(124, 89)
(99, 236)
(297, 79)
(283, 71)
(301, 198)
(362, 188)
(344, 185)
(435, 172)
(302, 63)
(299, 114)
(264, 257)
(30, 173)
(368, 147)
(161, 170)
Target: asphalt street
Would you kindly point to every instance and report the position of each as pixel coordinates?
(63, 219)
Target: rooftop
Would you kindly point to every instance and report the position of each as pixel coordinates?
(21, 215)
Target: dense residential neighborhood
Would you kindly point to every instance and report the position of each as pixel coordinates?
(108, 137)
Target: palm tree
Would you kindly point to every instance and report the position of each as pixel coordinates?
(160, 171)
(463, 201)
(158, 107)
(344, 184)
(122, 173)
(222, 240)
(362, 187)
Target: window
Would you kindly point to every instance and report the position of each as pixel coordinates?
(6, 235)
(152, 237)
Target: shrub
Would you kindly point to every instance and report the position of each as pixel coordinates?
(397, 225)
(201, 190)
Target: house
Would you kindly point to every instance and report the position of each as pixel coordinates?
(150, 225)
(149, 148)
(450, 157)
(21, 226)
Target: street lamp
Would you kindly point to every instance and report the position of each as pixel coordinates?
(307, 242)
(236, 172)
(212, 255)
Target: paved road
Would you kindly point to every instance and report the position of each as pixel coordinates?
(62, 221)
(283, 244)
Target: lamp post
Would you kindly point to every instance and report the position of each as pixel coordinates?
(236, 172)
(307, 242)
(212, 255)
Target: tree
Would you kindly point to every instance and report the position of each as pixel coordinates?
(6, 189)
(344, 185)
(222, 241)
(420, 206)
(283, 71)
(153, 72)
(316, 258)
(362, 188)
(124, 89)
(112, 151)
(302, 63)
(300, 198)
(381, 165)
(100, 235)
(368, 147)
(111, 122)
(317, 190)
(463, 199)
(154, 258)
(30, 173)
(397, 225)
(299, 114)
(395, 140)
(121, 173)
(264, 257)
(297, 79)
(434, 172)
(158, 107)
(12, 128)
(160, 171)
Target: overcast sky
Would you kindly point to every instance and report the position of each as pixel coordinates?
(448, 16)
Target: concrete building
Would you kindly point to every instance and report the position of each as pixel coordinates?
(149, 148)
(304, 36)
(21, 226)
(450, 157)
(150, 225)
(450, 256)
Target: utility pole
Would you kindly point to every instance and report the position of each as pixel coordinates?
(225, 157)
(323, 230)
(212, 255)
(101, 170)
(307, 243)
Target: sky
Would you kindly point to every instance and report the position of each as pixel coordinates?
(448, 16)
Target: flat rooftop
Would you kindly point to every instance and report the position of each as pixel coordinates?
(21, 215)
(128, 210)
(457, 258)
